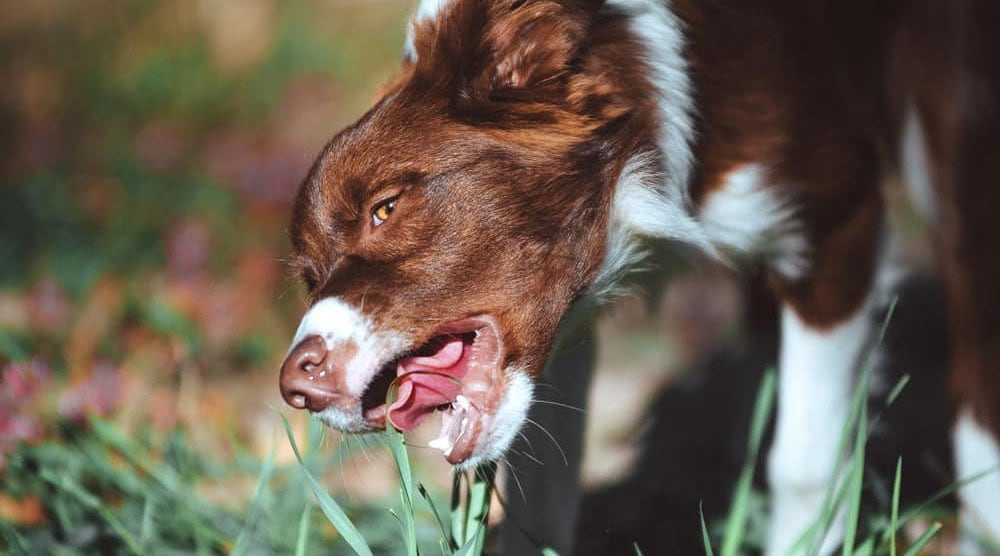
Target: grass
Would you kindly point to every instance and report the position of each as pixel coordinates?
(466, 535)
(102, 488)
(107, 491)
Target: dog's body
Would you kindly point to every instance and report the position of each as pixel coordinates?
(527, 147)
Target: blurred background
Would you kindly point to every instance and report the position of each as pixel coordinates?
(150, 153)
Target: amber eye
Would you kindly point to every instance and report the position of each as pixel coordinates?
(383, 210)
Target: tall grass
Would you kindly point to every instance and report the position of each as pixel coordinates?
(462, 526)
(102, 490)
(105, 491)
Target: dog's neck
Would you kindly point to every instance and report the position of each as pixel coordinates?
(652, 193)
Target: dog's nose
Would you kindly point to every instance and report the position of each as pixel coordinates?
(307, 379)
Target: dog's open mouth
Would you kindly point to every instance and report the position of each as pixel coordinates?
(456, 373)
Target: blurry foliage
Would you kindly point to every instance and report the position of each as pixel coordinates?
(115, 113)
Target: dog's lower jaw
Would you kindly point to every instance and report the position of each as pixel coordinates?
(496, 431)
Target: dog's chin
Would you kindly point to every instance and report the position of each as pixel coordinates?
(351, 422)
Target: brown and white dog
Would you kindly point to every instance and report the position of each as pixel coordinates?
(528, 148)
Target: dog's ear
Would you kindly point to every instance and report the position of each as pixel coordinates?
(486, 50)
(528, 43)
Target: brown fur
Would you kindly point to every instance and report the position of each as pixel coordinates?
(505, 136)
(504, 170)
(951, 67)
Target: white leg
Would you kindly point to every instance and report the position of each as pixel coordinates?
(976, 451)
(816, 377)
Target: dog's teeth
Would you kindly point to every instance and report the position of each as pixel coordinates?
(444, 444)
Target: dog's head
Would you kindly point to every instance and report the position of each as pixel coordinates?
(444, 235)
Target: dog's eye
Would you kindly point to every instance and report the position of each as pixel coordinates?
(383, 210)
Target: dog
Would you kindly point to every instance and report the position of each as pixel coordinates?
(511, 175)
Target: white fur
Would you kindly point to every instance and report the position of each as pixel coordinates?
(503, 426)
(640, 208)
(333, 320)
(651, 197)
(660, 31)
(337, 322)
(914, 165)
(748, 215)
(815, 381)
(976, 451)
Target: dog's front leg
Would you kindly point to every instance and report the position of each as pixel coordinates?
(825, 327)
(816, 376)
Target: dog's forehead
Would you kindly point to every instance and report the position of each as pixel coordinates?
(395, 137)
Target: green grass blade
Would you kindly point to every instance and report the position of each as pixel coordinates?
(704, 535)
(806, 539)
(469, 523)
(479, 504)
(763, 408)
(867, 548)
(469, 548)
(445, 534)
(838, 488)
(923, 540)
(897, 390)
(302, 540)
(457, 514)
(397, 447)
(68, 486)
(330, 508)
(739, 508)
(888, 317)
(857, 472)
(950, 489)
(894, 517)
(266, 472)
(146, 527)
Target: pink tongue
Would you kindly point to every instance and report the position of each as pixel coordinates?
(424, 384)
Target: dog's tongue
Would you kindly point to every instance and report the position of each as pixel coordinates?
(428, 382)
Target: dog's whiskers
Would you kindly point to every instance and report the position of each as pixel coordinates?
(552, 438)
